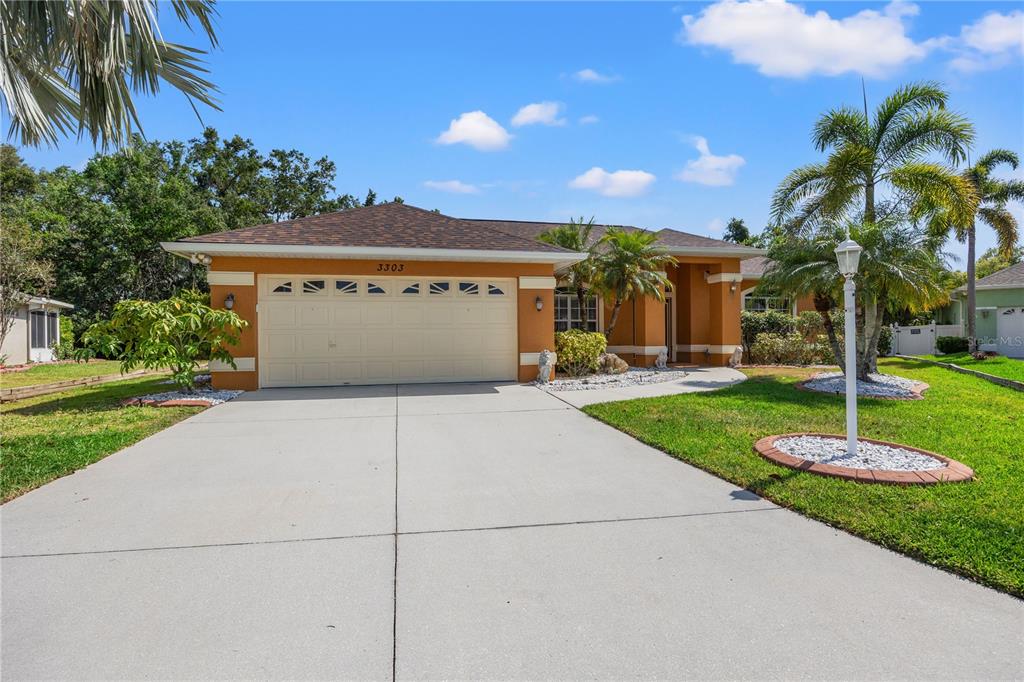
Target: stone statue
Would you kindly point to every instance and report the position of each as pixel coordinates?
(737, 357)
(545, 366)
(662, 361)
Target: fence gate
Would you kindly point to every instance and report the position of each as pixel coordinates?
(920, 340)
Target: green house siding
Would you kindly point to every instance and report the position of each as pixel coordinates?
(954, 312)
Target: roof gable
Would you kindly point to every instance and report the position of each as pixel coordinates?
(1007, 277)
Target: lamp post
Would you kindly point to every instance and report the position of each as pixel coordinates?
(848, 256)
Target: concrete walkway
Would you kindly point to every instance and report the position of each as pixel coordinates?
(470, 531)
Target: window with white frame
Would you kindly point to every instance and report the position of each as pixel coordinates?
(44, 329)
(760, 304)
(567, 312)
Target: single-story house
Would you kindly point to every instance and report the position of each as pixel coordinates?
(999, 311)
(753, 270)
(392, 293)
(34, 331)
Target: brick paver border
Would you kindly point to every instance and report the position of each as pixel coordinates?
(916, 391)
(952, 472)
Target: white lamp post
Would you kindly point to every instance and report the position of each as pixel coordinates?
(848, 255)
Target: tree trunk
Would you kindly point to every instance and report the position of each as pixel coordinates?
(869, 200)
(861, 339)
(823, 304)
(873, 331)
(614, 317)
(581, 299)
(972, 339)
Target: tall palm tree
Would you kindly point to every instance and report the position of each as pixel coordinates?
(579, 278)
(993, 195)
(631, 265)
(884, 153)
(72, 65)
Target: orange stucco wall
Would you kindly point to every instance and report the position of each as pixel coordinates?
(535, 328)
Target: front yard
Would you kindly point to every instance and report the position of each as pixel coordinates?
(51, 436)
(975, 528)
(48, 373)
(1008, 368)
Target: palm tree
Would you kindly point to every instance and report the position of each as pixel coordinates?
(900, 269)
(630, 265)
(579, 278)
(69, 64)
(801, 266)
(887, 152)
(993, 195)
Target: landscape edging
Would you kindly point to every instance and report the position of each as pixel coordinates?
(1002, 381)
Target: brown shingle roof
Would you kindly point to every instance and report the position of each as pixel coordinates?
(754, 266)
(382, 225)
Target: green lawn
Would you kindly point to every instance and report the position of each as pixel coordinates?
(51, 436)
(999, 366)
(975, 528)
(50, 373)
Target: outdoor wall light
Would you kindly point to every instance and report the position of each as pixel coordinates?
(229, 301)
(539, 302)
(732, 287)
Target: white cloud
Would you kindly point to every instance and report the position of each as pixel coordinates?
(783, 39)
(453, 186)
(544, 113)
(588, 119)
(591, 76)
(992, 41)
(716, 171)
(621, 183)
(478, 130)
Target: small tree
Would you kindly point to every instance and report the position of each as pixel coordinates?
(736, 231)
(579, 277)
(22, 270)
(631, 265)
(177, 333)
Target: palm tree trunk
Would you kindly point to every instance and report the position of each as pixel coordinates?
(614, 317)
(823, 304)
(869, 200)
(861, 340)
(972, 340)
(581, 299)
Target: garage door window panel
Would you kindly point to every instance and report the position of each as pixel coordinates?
(469, 288)
(376, 289)
(440, 288)
(281, 286)
(346, 287)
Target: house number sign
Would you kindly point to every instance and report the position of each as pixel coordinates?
(390, 267)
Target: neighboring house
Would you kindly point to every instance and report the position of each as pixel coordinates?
(393, 293)
(752, 270)
(999, 306)
(34, 332)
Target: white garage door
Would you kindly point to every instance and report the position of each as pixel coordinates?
(316, 330)
(1010, 332)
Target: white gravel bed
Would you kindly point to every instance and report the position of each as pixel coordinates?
(631, 377)
(210, 395)
(880, 386)
(869, 455)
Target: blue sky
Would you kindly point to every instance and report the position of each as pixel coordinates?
(706, 106)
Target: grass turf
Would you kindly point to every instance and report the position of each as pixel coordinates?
(53, 372)
(1008, 368)
(975, 529)
(50, 436)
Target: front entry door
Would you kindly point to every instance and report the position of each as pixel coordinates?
(670, 327)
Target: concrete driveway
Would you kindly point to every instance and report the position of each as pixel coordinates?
(461, 531)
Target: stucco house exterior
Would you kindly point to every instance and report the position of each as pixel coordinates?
(393, 293)
(999, 307)
(753, 270)
(35, 330)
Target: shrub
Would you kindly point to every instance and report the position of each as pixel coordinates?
(610, 363)
(810, 324)
(885, 341)
(951, 344)
(767, 322)
(66, 348)
(578, 351)
(177, 333)
(789, 349)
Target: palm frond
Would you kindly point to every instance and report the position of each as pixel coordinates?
(906, 101)
(924, 132)
(1003, 224)
(838, 127)
(936, 186)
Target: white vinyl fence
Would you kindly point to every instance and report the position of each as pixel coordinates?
(920, 339)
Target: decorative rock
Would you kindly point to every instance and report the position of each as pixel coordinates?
(201, 398)
(869, 455)
(632, 377)
(879, 386)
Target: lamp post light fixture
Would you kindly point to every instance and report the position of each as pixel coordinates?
(539, 302)
(848, 256)
(229, 301)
